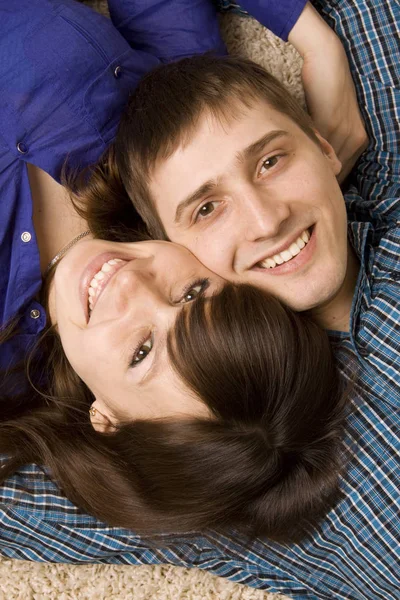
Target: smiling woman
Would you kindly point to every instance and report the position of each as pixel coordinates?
(114, 304)
(156, 373)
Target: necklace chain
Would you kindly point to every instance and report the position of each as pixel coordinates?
(59, 256)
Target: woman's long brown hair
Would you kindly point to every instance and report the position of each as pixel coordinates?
(267, 461)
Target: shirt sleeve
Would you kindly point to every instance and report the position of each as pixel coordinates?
(370, 38)
(277, 15)
(168, 29)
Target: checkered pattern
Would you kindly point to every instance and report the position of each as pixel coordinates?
(355, 553)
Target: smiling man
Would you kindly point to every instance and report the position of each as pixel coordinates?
(243, 180)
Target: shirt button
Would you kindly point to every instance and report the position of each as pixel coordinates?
(22, 148)
(35, 313)
(117, 72)
(26, 236)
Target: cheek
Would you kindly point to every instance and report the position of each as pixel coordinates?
(82, 352)
(214, 247)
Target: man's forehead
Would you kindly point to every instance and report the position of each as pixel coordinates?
(239, 114)
(213, 147)
(237, 134)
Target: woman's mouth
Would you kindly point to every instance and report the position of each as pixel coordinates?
(101, 279)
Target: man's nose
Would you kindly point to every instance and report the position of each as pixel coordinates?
(261, 215)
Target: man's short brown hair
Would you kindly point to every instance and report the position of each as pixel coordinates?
(166, 107)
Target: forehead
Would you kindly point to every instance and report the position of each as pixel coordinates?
(213, 143)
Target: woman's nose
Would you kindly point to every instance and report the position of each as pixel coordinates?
(142, 283)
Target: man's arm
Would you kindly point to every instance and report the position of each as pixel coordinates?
(328, 86)
(370, 35)
(329, 89)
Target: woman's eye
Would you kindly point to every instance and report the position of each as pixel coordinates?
(141, 352)
(268, 163)
(195, 290)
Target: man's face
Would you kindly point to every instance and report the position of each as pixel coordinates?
(257, 201)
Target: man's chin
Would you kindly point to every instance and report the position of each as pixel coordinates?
(314, 302)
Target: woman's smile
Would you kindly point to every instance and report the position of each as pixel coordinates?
(96, 276)
(101, 279)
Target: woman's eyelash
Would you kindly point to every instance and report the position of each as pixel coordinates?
(201, 283)
(139, 353)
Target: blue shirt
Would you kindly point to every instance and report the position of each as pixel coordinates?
(355, 553)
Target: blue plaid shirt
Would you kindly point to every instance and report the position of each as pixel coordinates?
(355, 552)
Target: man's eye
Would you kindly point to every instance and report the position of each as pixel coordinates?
(205, 210)
(142, 350)
(194, 291)
(268, 163)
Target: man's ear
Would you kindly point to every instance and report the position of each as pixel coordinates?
(330, 154)
(100, 417)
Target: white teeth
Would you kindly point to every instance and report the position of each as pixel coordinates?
(100, 275)
(305, 236)
(270, 263)
(294, 249)
(278, 259)
(301, 243)
(286, 255)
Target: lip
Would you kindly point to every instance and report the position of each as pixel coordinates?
(297, 261)
(90, 271)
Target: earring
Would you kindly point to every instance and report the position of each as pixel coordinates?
(92, 411)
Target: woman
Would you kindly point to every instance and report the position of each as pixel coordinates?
(172, 393)
(48, 422)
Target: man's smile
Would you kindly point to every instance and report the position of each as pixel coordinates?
(292, 257)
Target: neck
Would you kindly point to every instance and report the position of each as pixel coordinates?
(55, 220)
(335, 314)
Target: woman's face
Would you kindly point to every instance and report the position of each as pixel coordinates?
(113, 305)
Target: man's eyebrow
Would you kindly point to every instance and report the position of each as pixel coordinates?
(242, 155)
(204, 189)
(259, 145)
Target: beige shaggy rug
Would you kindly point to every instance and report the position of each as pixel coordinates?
(20, 580)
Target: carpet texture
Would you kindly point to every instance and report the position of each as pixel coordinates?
(20, 580)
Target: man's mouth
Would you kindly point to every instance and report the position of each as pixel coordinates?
(287, 254)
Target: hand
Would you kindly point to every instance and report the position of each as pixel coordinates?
(329, 89)
(332, 103)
